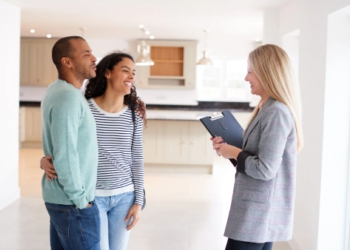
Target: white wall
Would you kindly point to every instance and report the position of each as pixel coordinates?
(336, 136)
(291, 44)
(101, 47)
(221, 48)
(318, 177)
(9, 102)
(271, 27)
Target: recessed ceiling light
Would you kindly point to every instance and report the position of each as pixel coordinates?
(147, 32)
(32, 31)
(151, 37)
(257, 40)
(48, 36)
(141, 26)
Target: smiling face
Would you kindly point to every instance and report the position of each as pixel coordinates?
(122, 77)
(256, 87)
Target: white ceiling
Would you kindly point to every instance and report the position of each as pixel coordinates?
(178, 19)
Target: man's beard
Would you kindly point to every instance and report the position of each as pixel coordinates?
(82, 71)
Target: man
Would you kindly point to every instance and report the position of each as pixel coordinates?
(69, 136)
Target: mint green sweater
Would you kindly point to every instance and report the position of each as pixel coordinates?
(69, 136)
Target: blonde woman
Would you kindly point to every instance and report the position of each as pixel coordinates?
(262, 205)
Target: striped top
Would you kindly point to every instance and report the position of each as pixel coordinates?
(120, 153)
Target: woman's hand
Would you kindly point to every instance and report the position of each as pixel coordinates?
(134, 212)
(225, 150)
(46, 164)
(216, 140)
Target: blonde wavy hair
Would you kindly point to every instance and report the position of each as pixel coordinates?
(273, 68)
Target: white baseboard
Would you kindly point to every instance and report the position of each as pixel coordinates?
(7, 198)
(294, 244)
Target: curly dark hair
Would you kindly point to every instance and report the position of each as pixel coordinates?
(98, 85)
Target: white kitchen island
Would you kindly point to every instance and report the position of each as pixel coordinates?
(173, 140)
(176, 141)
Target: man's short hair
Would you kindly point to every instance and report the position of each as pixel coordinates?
(63, 48)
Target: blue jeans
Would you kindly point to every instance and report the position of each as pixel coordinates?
(113, 211)
(72, 228)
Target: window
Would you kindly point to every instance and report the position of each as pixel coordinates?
(223, 82)
(237, 87)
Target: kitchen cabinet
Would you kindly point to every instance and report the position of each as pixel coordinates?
(174, 66)
(168, 61)
(176, 142)
(30, 133)
(36, 66)
(179, 143)
(200, 149)
(182, 144)
(153, 141)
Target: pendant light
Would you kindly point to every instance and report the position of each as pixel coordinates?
(143, 49)
(205, 60)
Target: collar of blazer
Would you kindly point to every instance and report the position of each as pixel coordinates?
(256, 120)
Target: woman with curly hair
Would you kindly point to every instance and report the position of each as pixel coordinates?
(112, 98)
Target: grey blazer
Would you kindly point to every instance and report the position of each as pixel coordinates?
(262, 205)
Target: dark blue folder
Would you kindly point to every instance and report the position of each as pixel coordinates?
(225, 125)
